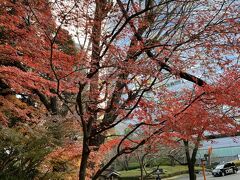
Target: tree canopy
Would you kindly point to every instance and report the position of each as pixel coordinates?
(126, 53)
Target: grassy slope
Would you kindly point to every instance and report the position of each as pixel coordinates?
(169, 171)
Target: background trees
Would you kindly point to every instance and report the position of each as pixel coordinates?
(204, 117)
(128, 50)
(23, 149)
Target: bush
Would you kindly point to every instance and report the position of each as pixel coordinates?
(22, 149)
(237, 162)
(164, 161)
(133, 165)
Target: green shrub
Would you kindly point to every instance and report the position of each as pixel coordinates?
(133, 165)
(164, 161)
(22, 149)
(237, 162)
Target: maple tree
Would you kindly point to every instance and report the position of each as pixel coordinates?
(127, 51)
(145, 155)
(27, 41)
(204, 117)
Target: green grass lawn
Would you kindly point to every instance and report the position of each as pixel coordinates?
(168, 171)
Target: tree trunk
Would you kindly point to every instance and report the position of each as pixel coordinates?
(190, 161)
(126, 163)
(84, 160)
(89, 132)
(191, 171)
(140, 160)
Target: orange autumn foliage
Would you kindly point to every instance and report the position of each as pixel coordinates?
(12, 107)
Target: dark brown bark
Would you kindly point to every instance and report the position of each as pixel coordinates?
(5, 89)
(141, 163)
(50, 104)
(191, 171)
(84, 159)
(90, 137)
(191, 159)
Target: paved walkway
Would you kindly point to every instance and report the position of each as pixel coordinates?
(208, 177)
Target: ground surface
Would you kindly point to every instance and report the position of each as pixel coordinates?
(208, 177)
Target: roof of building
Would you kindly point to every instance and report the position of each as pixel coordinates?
(109, 173)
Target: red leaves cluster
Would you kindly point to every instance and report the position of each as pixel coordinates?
(28, 61)
(210, 112)
(12, 107)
